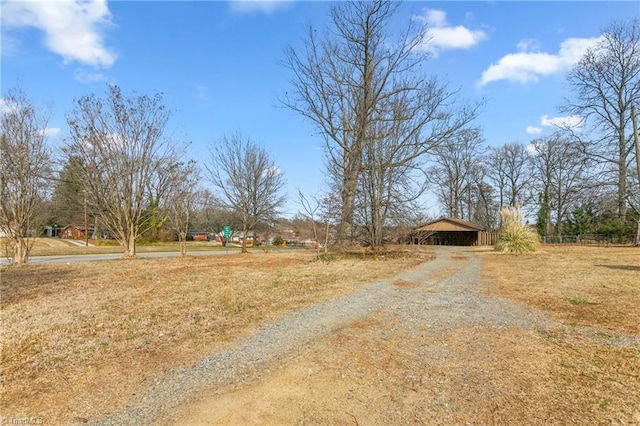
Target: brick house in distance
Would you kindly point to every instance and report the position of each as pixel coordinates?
(74, 232)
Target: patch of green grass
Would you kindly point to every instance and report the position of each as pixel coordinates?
(581, 301)
(277, 281)
(105, 243)
(325, 257)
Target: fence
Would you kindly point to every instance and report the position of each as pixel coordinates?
(487, 238)
(589, 239)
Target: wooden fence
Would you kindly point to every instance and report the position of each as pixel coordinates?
(486, 238)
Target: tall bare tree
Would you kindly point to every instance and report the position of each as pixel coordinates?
(509, 171)
(248, 181)
(606, 83)
(25, 172)
(119, 141)
(181, 199)
(482, 205)
(363, 89)
(559, 172)
(454, 171)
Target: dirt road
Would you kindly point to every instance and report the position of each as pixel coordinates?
(428, 347)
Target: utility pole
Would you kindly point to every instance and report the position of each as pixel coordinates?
(635, 138)
(86, 226)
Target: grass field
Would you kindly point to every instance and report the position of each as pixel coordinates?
(590, 286)
(68, 330)
(79, 339)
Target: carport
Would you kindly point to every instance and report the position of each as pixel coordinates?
(448, 231)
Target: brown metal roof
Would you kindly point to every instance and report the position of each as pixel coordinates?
(449, 224)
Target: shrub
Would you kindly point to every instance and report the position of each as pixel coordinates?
(514, 236)
(278, 241)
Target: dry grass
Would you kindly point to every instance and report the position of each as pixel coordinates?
(81, 339)
(375, 372)
(592, 286)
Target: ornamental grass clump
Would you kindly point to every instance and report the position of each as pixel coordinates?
(514, 235)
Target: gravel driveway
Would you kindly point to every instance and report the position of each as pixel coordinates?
(442, 294)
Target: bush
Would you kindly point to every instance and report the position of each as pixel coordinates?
(514, 236)
(278, 241)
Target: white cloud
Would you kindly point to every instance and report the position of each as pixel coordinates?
(4, 106)
(258, 6)
(272, 172)
(574, 122)
(529, 44)
(442, 36)
(50, 131)
(527, 67)
(73, 29)
(88, 77)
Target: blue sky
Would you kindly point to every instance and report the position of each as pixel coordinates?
(218, 63)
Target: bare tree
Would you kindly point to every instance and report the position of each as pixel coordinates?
(314, 211)
(25, 172)
(482, 206)
(606, 83)
(454, 171)
(559, 173)
(248, 181)
(509, 171)
(181, 199)
(363, 89)
(119, 141)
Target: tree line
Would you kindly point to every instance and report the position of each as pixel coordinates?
(390, 134)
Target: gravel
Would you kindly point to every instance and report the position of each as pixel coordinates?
(454, 296)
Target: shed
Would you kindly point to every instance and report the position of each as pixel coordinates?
(448, 231)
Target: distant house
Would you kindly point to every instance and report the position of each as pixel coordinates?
(197, 235)
(74, 232)
(448, 231)
(238, 236)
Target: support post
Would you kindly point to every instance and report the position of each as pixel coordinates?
(637, 143)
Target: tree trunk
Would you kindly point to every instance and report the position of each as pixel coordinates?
(130, 244)
(637, 242)
(348, 195)
(622, 191)
(245, 231)
(183, 244)
(20, 252)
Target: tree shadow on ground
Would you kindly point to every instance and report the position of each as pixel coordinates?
(621, 267)
(19, 283)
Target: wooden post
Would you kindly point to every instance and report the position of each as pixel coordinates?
(635, 138)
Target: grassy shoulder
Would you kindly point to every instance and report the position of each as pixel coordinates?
(63, 247)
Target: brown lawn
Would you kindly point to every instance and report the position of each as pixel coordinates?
(589, 286)
(80, 339)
